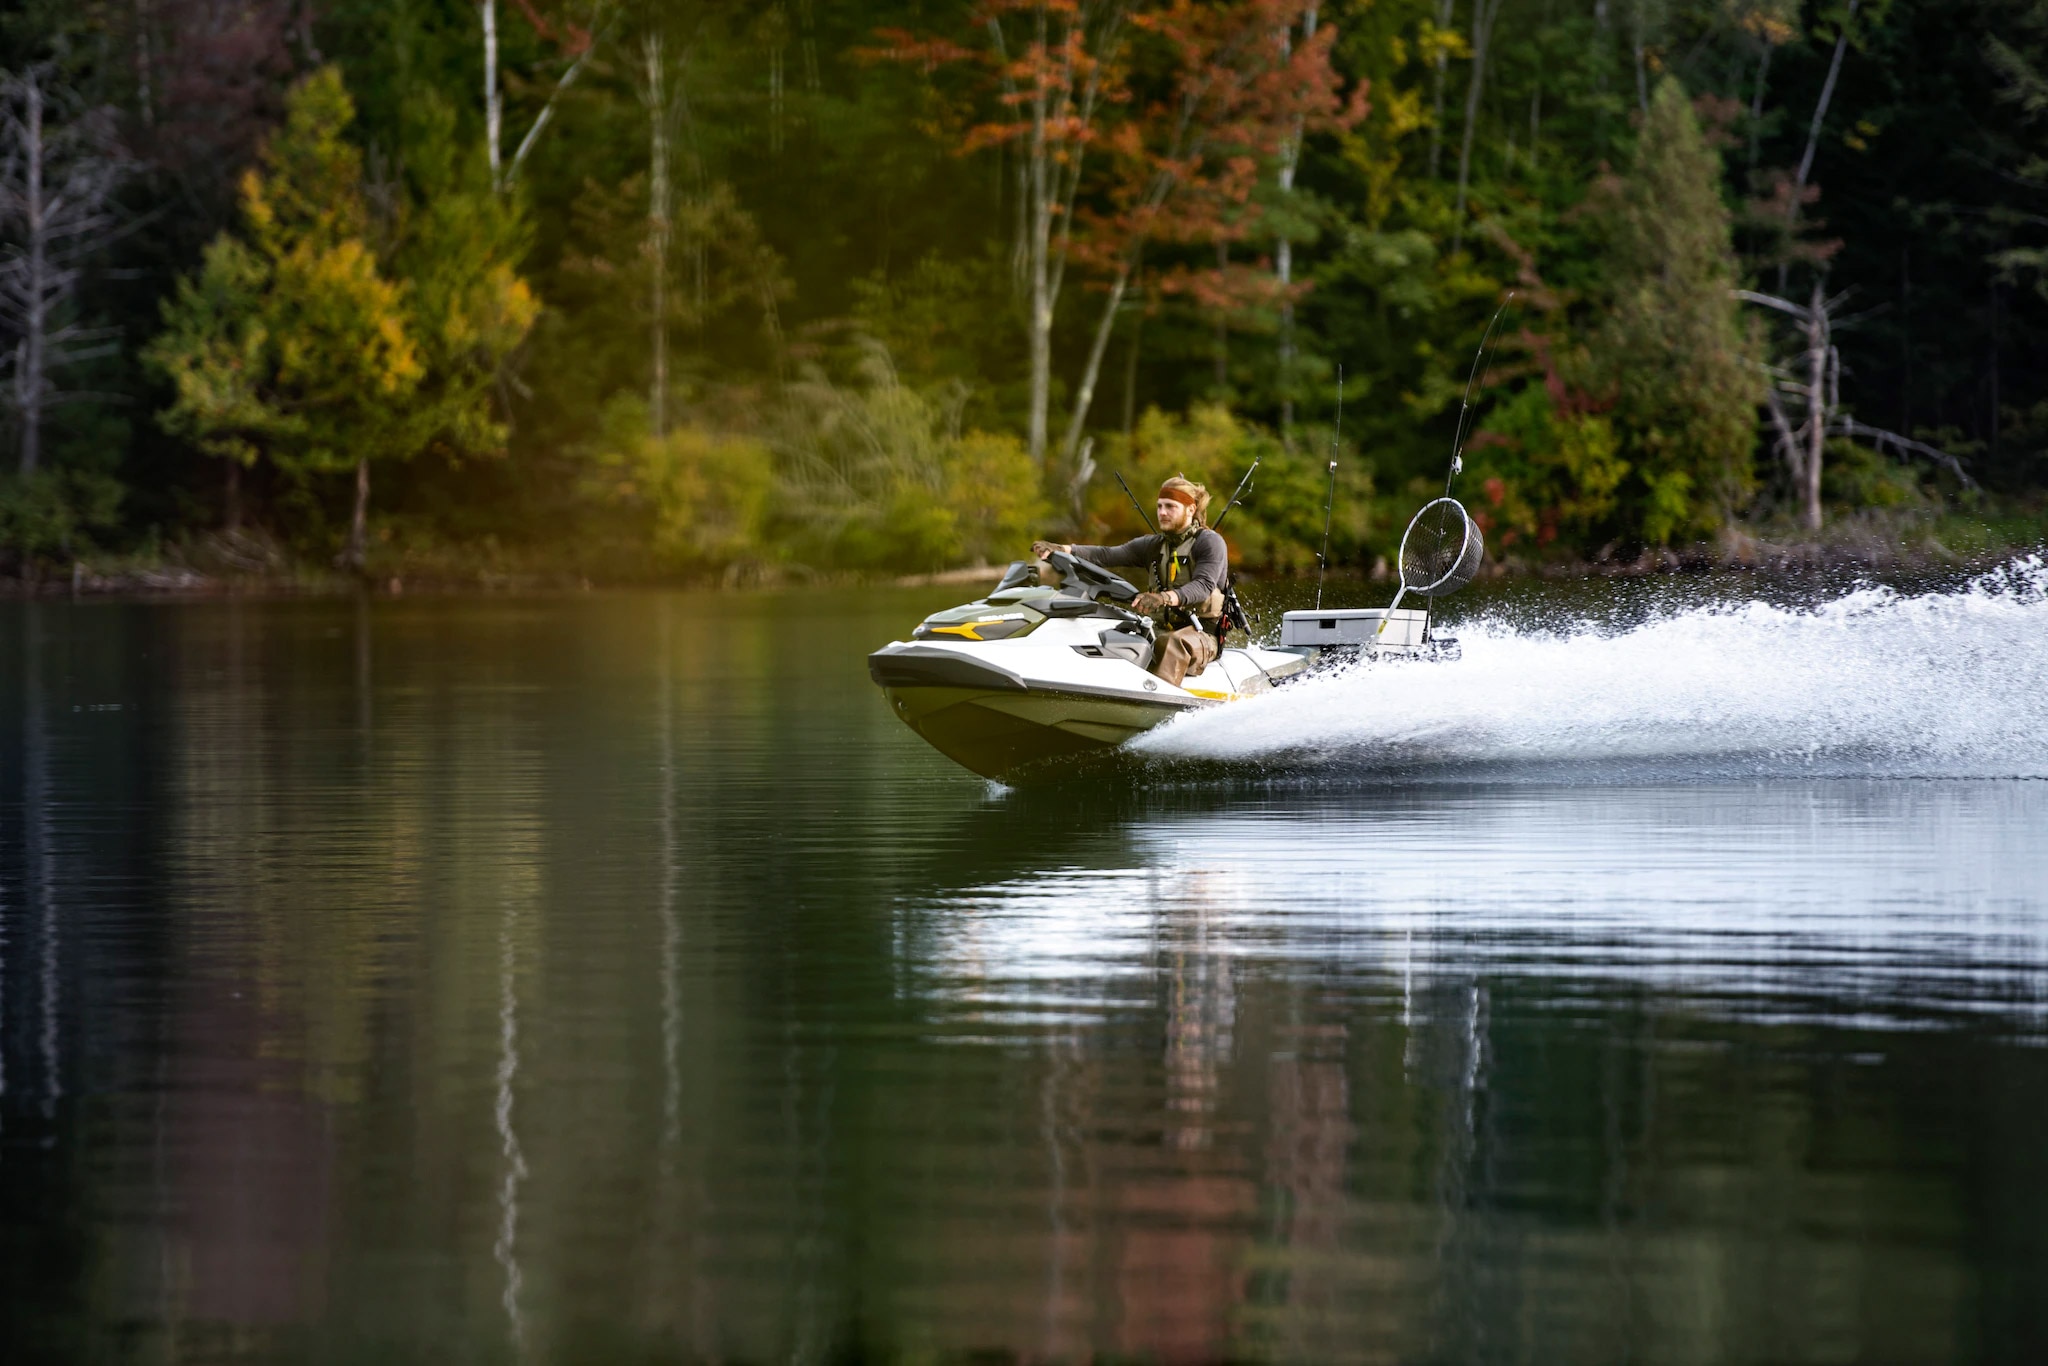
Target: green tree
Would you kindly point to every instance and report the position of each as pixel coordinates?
(1672, 349)
(299, 342)
(291, 343)
(454, 242)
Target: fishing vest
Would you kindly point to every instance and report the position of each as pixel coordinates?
(1174, 569)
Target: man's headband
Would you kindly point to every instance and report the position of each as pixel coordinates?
(1178, 494)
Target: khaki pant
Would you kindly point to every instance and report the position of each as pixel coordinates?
(1187, 651)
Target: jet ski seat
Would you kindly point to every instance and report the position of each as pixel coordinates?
(1117, 643)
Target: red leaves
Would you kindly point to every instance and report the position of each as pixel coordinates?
(1175, 111)
(901, 45)
(573, 39)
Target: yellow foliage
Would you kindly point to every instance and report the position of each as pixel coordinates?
(992, 492)
(709, 492)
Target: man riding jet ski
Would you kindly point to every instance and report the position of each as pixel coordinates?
(1189, 563)
(1042, 671)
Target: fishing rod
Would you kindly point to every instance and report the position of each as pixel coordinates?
(1330, 497)
(1233, 611)
(1217, 525)
(1487, 341)
(1143, 515)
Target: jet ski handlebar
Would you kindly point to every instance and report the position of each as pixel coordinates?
(1092, 583)
(1090, 580)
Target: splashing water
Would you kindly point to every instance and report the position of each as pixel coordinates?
(1873, 683)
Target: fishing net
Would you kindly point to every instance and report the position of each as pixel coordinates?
(1441, 549)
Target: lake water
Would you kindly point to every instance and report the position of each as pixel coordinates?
(613, 979)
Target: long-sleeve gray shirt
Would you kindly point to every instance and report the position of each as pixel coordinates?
(1208, 562)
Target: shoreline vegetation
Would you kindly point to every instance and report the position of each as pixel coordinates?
(252, 565)
(298, 295)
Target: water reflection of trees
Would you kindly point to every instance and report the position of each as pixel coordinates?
(580, 982)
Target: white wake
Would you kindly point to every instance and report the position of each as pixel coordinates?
(1874, 682)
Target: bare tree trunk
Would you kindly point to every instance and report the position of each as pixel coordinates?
(1820, 113)
(1283, 252)
(1086, 394)
(1816, 409)
(1444, 13)
(1050, 177)
(354, 555)
(1483, 17)
(493, 109)
(658, 225)
(57, 180)
(145, 99)
(1038, 174)
(28, 375)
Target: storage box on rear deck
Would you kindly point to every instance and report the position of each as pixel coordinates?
(1353, 626)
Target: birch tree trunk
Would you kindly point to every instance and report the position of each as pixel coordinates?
(56, 185)
(1817, 347)
(28, 373)
(1050, 177)
(1283, 251)
(1038, 175)
(659, 226)
(1086, 394)
(1820, 114)
(145, 98)
(1444, 14)
(1483, 16)
(493, 110)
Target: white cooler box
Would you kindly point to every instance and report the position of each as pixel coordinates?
(1353, 626)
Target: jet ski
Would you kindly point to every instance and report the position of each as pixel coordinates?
(1034, 674)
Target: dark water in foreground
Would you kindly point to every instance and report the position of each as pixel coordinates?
(614, 980)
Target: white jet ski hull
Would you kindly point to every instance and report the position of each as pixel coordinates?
(997, 707)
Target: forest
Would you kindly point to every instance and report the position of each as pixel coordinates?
(484, 290)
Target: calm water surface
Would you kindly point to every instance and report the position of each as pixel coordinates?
(613, 979)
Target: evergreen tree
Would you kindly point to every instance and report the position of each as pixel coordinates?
(295, 340)
(1673, 350)
(291, 343)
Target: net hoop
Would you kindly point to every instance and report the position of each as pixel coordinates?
(1436, 570)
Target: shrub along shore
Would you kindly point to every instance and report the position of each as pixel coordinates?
(251, 564)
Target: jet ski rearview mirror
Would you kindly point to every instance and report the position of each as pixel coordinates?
(1020, 574)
